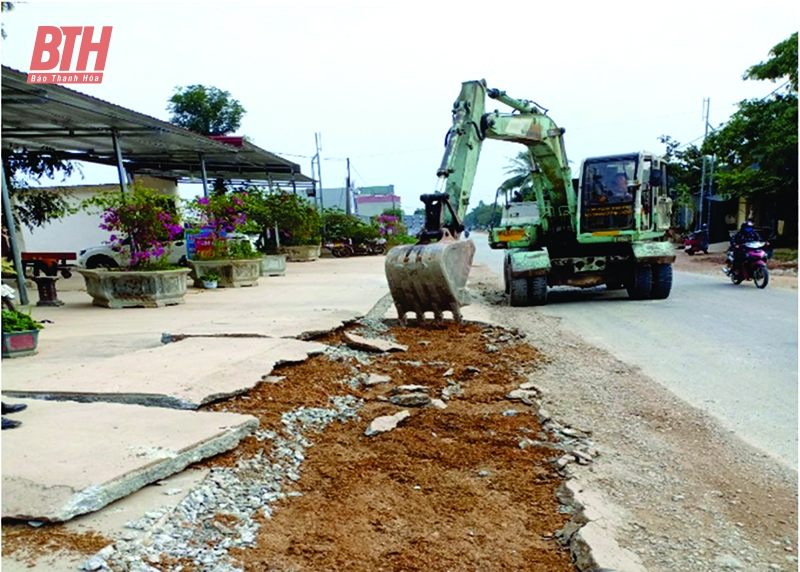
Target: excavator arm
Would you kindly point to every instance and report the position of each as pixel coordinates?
(431, 275)
(447, 206)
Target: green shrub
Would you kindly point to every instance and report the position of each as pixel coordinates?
(15, 321)
(341, 226)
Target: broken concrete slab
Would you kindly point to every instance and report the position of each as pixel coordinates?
(596, 522)
(68, 459)
(377, 379)
(372, 344)
(411, 399)
(386, 423)
(183, 375)
(527, 396)
(323, 321)
(411, 388)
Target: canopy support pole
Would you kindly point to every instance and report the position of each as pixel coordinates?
(12, 241)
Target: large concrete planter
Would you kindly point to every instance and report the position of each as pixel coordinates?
(233, 273)
(17, 344)
(130, 289)
(301, 253)
(273, 265)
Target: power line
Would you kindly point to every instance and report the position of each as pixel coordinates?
(724, 122)
(573, 128)
(363, 180)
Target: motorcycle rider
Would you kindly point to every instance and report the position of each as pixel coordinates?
(747, 233)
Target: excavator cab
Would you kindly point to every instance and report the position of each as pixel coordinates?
(621, 195)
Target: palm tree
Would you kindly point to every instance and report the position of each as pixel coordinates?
(521, 169)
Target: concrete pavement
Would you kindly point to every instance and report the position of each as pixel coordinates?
(114, 428)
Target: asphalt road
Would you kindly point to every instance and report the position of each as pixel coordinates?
(729, 350)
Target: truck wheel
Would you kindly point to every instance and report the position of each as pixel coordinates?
(641, 283)
(518, 292)
(537, 290)
(662, 281)
(101, 261)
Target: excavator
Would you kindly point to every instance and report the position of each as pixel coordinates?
(605, 227)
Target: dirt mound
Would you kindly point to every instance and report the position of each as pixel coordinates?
(448, 489)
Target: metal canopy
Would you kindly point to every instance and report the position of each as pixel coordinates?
(75, 126)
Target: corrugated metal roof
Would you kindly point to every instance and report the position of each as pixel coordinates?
(79, 127)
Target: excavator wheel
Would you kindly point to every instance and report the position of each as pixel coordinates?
(518, 292)
(537, 290)
(640, 284)
(430, 277)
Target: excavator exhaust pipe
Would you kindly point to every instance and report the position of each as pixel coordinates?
(430, 277)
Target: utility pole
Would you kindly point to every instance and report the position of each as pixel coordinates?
(318, 143)
(347, 190)
(706, 106)
(712, 159)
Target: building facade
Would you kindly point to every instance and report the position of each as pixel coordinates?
(373, 205)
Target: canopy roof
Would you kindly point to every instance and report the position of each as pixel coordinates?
(75, 126)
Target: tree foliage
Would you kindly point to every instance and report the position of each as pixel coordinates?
(297, 220)
(205, 110)
(482, 217)
(756, 150)
(685, 170)
(35, 207)
(783, 63)
(5, 7)
(341, 226)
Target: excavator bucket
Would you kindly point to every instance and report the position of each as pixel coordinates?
(430, 277)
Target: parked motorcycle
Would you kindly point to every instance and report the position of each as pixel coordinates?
(751, 264)
(696, 242)
(371, 247)
(346, 249)
(339, 249)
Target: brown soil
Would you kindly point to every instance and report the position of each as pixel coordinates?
(446, 490)
(30, 545)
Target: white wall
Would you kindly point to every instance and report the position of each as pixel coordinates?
(75, 232)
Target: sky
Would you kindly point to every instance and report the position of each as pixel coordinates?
(377, 80)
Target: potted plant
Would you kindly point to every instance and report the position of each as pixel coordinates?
(298, 225)
(209, 280)
(219, 246)
(144, 222)
(20, 334)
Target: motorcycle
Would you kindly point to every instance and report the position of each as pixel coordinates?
(339, 249)
(371, 247)
(750, 265)
(346, 249)
(696, 242)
